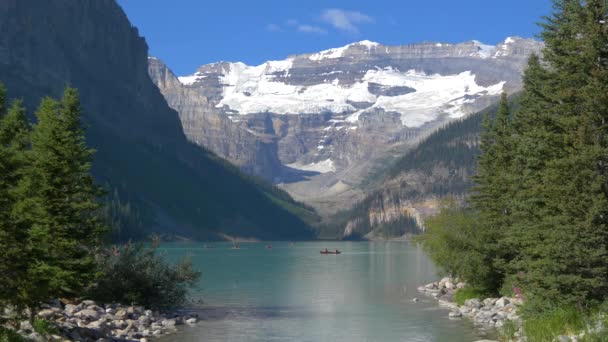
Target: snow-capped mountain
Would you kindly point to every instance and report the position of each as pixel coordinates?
(328, 118)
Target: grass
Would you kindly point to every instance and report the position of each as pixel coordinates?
(560, 321)
(466, 293)
(8, 335)
(507, 331)
(44, 327)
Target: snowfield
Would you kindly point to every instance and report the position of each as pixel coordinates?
(258, 89)
(324, 166)
(250, 90)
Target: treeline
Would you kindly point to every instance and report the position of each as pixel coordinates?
(358, 216)
(52, 222)
(537, 223)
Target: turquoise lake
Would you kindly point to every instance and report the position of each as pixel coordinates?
(293, 293)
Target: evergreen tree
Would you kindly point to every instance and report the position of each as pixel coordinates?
(58, 203)
(14, 140)
(492, 198)
(561, 226)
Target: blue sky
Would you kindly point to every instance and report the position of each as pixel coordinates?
(189, 33)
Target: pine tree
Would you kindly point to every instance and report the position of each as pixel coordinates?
(58, 204)
(561, 208)
(492, 195)
(14, 141)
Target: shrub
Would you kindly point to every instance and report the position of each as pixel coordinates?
(137, 274)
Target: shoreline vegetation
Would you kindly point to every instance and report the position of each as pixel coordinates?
(54, 239)
(535, 225)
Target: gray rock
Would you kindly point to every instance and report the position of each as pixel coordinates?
(46, 313)
(169, 323)
(191, 320)
(455, 314)
(89, 314)
(473, 303)
(563, 338)
(144, 320)
(36, 337)
(26, 326)
(87, 303)
(502, 302)
(71, 309)
(121, 314)
(415, 300)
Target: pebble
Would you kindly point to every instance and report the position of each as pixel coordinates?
(90, 321)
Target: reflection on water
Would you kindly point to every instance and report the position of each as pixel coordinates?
(293, 293)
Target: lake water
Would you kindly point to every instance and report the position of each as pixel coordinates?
(293, 293)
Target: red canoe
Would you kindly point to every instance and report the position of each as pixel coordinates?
(331, 252)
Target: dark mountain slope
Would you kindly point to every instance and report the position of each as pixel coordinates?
(141, 150)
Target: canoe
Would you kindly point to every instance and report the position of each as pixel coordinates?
(330, 252)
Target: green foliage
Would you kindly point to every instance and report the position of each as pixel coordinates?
(9, 335)
(552, 323)
(507, 331)
(49, 227)
(466, 293)
(136, 273)
(452, 241)
(126, 220)
(541, 196)
(44, 327)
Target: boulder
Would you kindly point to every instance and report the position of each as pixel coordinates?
(35, 337)
(71, 309)
(502, 302)
(26, 326)
(169, 323)
(89, 314)
(455, 314)
(191, 320)
(86, 303)
(449, 285)
(121, 314)
(473, 303)
(46, 313)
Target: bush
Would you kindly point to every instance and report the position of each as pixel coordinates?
(137, 274)
(454, 240)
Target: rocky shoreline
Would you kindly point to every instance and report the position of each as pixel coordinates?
(486, 313)
(90, 321)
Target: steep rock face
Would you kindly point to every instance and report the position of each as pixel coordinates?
(205, 126)
(440, 166)
(337, 115)
(141, 148)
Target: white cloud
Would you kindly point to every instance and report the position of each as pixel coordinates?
(311, 29)
(292, 22)
(273, 28)
(347, 21)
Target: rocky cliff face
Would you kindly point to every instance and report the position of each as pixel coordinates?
(320, 123)
(141, 148)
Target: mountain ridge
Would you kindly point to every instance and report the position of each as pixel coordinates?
(318, 123)
(141, 148)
